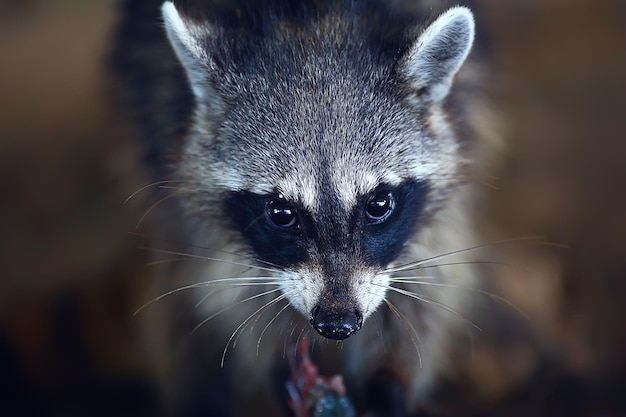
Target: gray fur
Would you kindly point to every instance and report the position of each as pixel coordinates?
(322, 110)
(348, 128)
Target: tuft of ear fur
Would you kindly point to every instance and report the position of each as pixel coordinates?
(439, 52)
(189, 43)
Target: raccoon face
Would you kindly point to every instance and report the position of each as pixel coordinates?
(326, 145)
(332, 254)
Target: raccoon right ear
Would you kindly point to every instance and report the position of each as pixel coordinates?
(189, 41)
(437, 55)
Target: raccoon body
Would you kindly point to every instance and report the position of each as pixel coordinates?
(315, 156)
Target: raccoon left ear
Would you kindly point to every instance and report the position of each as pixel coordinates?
(439, 52)
(188, 40)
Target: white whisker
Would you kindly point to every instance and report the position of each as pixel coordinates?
(429, 300)
(416, 264)
(245, 300)
(152, 207)
(207, 258)
(238, 281)
(425, 278)
(413, 280)
(166, 261)
(379, 333)
(496, 297)
(230, 287)
(145, 187)
(239, 255)
(406, 323)
(409, 268)
(207, 248)
(207, 295)
(302, 330)
(243, 324)
(258, 343)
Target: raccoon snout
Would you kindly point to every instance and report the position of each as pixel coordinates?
(336, 324)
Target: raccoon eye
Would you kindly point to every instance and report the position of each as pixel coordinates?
(281, 213)
(379, 207)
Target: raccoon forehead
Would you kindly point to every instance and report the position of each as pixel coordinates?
(310, 177)
(346, 190)
(346, 184)
(307, 190)
(346, 178)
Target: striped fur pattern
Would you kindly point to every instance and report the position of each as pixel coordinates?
(315, 156)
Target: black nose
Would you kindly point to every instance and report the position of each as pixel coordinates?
(336, 324)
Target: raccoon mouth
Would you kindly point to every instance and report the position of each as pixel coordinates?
(336, 324)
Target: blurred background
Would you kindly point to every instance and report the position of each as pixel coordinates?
(71, 271)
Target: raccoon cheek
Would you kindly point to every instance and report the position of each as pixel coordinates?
(376, 290)
(301, 290)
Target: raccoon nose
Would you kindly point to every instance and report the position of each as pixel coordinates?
(336, 324)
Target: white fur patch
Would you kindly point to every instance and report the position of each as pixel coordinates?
(302, 288)
(371, 293)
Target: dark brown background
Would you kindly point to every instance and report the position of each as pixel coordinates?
(70, 270)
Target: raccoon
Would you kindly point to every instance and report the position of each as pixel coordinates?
(312, 164)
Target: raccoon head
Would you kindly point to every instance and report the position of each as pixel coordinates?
(325, 142)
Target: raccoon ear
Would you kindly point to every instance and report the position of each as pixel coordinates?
(439, 52)
(188, 40)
